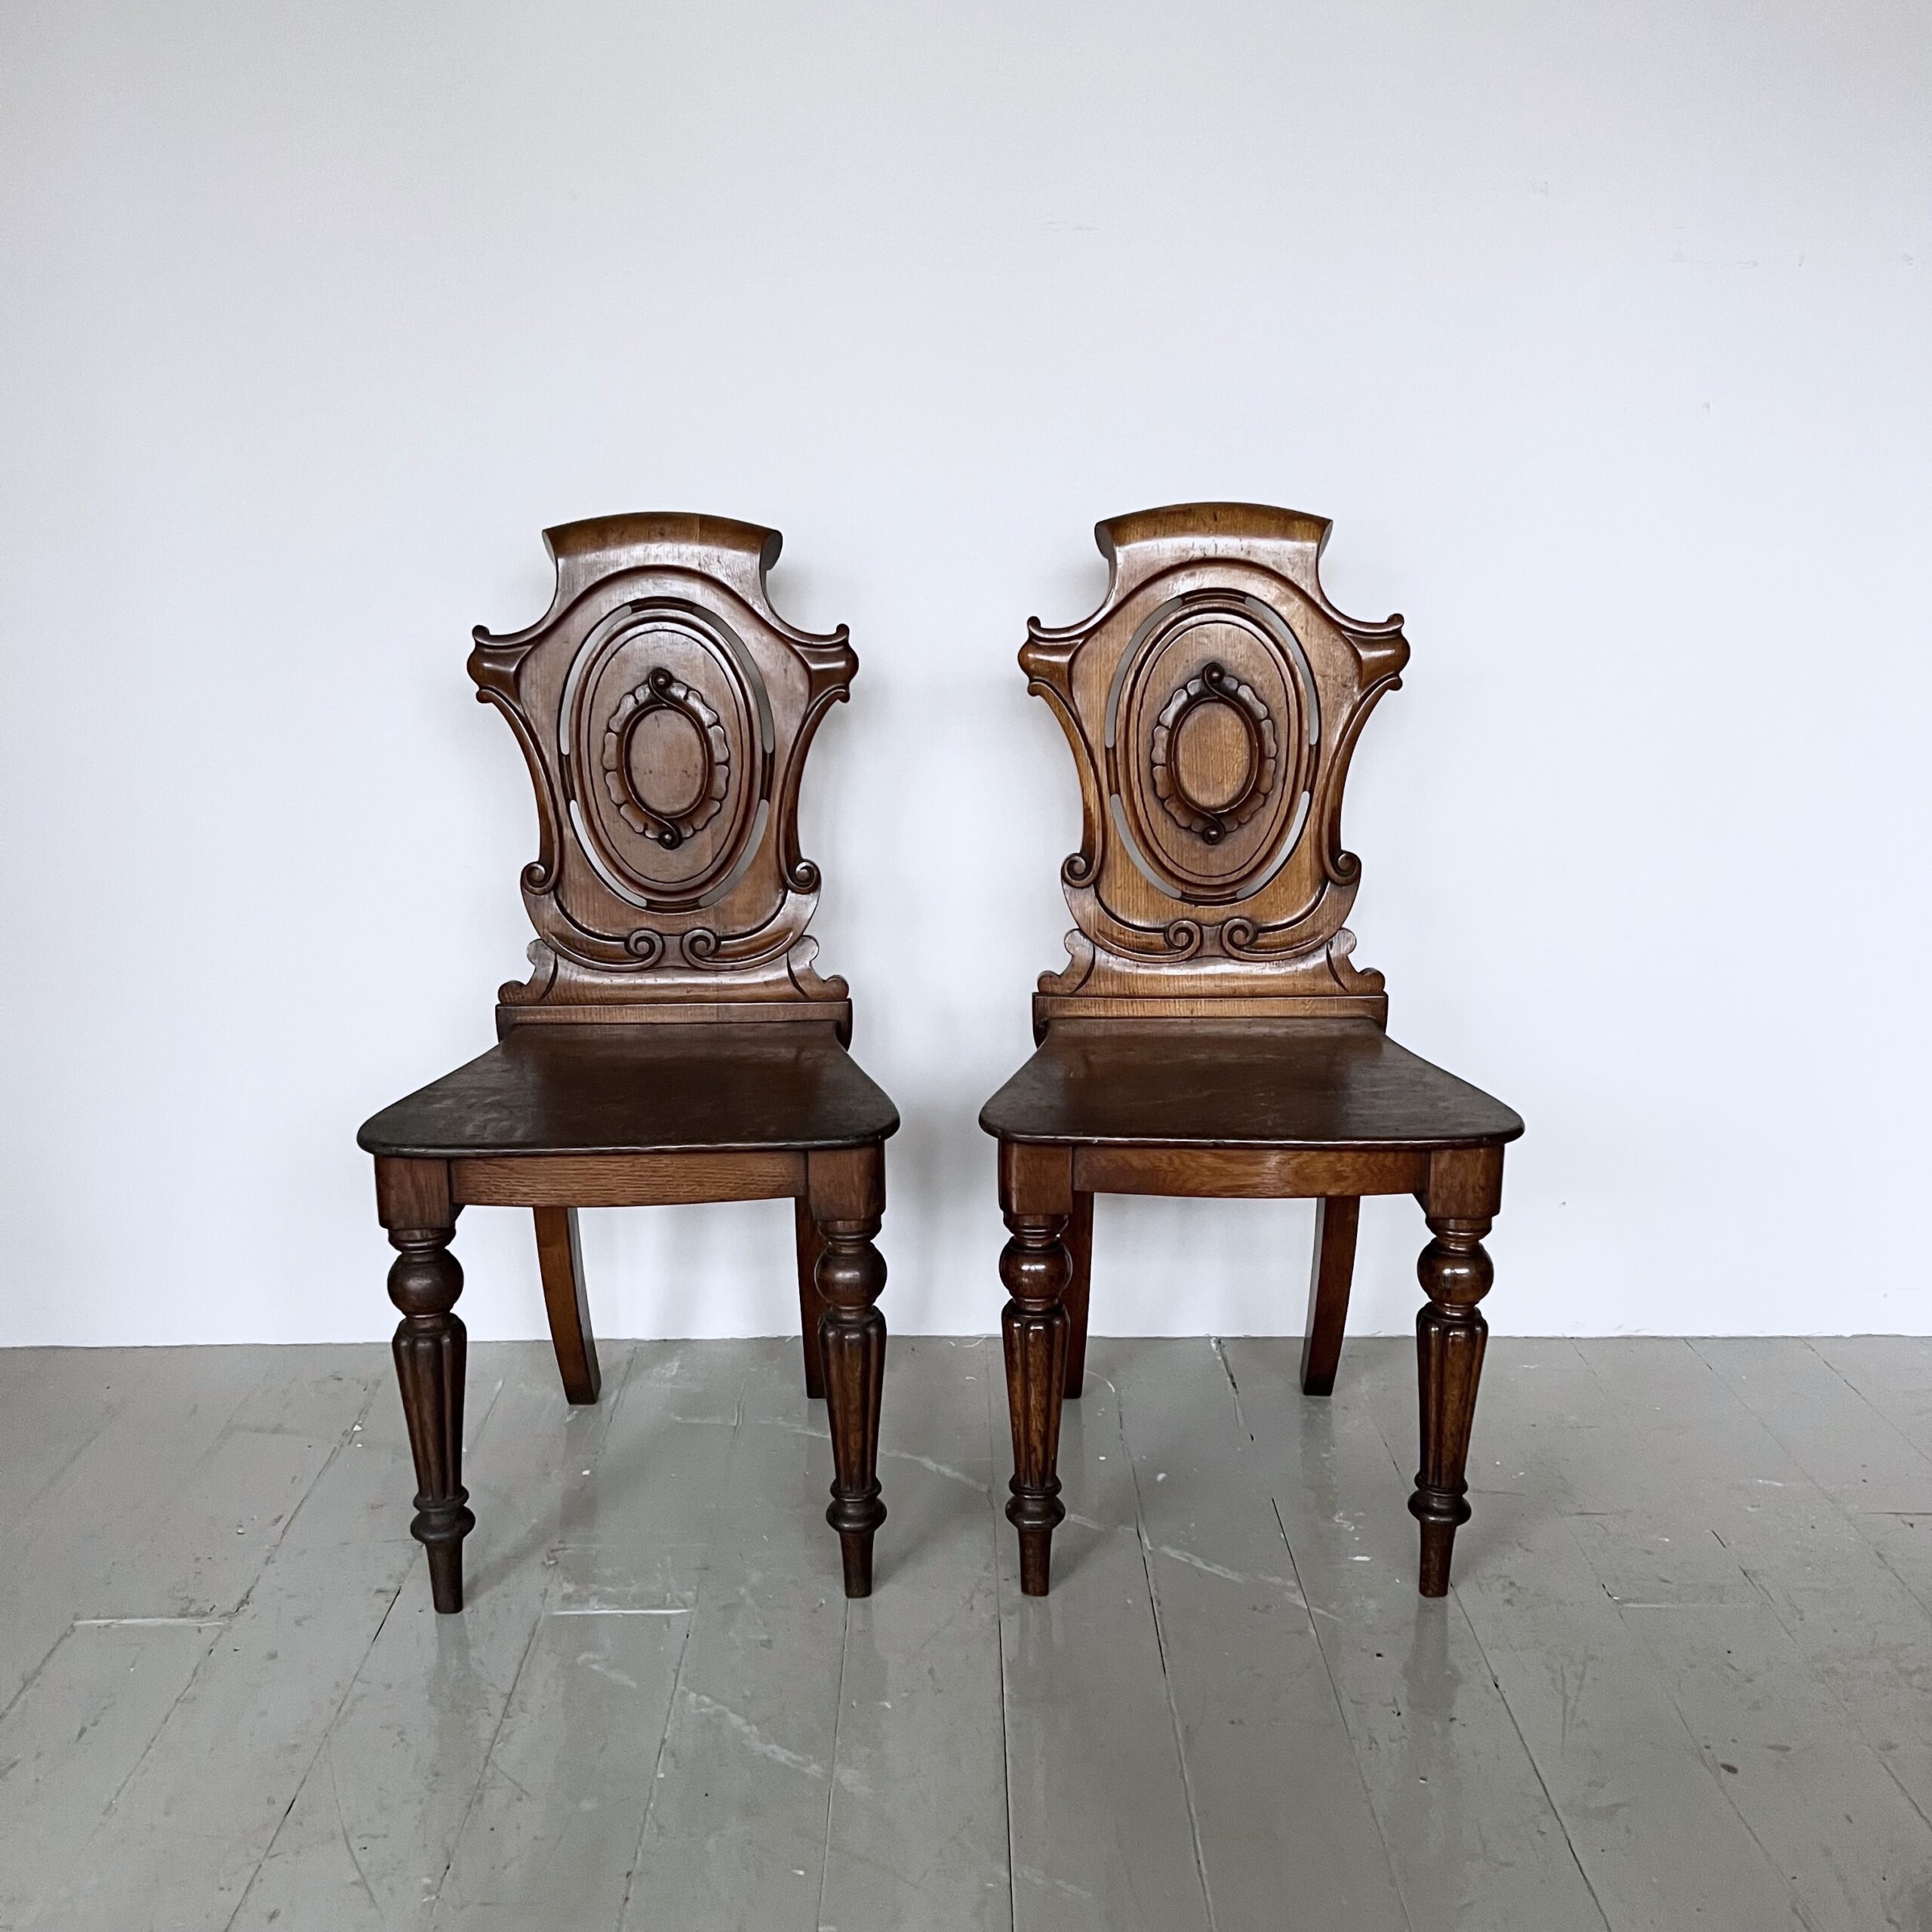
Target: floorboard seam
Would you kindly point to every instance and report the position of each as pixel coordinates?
(1502, 1697)
(81, 1449)
(28, 1681)
(685, 1643)
(33, 1676)
(1529, 1756)
(435, 1900)
(658, 1763)
(214, 1644)
(831, 1776)
(1342, 1710)
(1161, 1645)
(342, 1441)
(328, 1731)
(1919, 1454)
(1851, 1516)
(1241, 1418)
(999, 1623)
(1854, 1516)
(1698, 1751)
(341, 1823)
(1844, 1510)
(147, 1750)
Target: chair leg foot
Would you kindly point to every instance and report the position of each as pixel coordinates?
(445, 1576)
(1450, 1333)
(855, 1551)
(1036, 1558)
(1036, 1269)
(431, 1347)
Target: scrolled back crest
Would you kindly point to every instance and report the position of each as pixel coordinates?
(665, 710)
(1212, 703)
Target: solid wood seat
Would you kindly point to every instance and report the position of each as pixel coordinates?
(1212, 1035)
(1303, 1084)
(640, 1090)
(673, 1042)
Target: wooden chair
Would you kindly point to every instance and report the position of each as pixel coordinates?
(1211, 1034)
(673, 1043)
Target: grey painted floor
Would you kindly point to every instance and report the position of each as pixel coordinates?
(1683, 1680)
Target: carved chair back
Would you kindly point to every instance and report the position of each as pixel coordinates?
(1212, 703)
(665, 710)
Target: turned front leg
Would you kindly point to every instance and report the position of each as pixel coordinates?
(847, 1198)
(1036, 1269)
(431, 1347)
(1456, 1272)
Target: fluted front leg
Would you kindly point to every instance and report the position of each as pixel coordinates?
(1456, 1272)
(846, 1192)
(1036, 1269)
(851, 1335)
(431, 1345)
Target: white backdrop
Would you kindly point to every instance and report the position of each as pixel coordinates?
(1601, 331)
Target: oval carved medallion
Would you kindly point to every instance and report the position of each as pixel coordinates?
(665, 774)
(1210, 722)
(667, 763)
(1213, 755)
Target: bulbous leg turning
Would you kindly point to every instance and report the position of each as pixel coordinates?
(1456, 1272)
(1036, 1269)
(850, 1274)
(431, 1346)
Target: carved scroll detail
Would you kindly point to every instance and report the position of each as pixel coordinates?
(1212, 704)
(665, 710)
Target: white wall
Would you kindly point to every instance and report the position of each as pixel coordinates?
(1601, 331)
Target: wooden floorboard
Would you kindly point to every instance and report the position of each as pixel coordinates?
(1281, 1811)
(1684, 1675)
(1103, 1828)
(919, 1828)
(1472, 1834)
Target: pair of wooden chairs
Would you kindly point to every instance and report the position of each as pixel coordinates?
(1211, 1034)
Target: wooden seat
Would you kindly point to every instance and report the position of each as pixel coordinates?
(673, 1042)
(1288, 1083)
(1211, 1034)
(595, 1089)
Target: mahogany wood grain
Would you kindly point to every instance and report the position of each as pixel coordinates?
(625, 1180)
(1321, 1084)
(846, 1191)
(1336, 1219)
(560, 1262)
(1236, 1174)
(1211, 1034)
(1080, 1253)
(811, 1303)
(635, 1088)
(1036, 1196)
(674, 1042)
(431, 1349)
